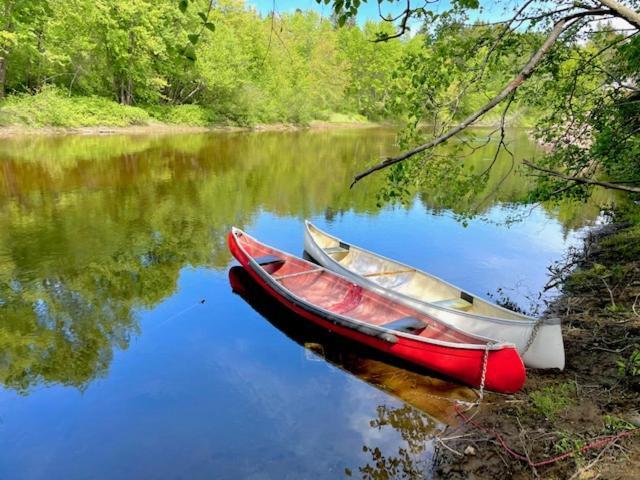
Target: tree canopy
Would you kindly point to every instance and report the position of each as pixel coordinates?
(576, 63)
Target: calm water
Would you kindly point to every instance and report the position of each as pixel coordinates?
(125, 353)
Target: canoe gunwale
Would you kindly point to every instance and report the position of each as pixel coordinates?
(524, 320)
(355, 324)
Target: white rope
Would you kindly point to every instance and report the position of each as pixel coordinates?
(532, 335)
(483, 376)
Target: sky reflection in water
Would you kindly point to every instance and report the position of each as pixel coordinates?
(113, 368)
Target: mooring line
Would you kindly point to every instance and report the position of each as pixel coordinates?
(176, 315)
(598, 443)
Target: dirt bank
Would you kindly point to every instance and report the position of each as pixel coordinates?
(160, 128)
(595, 397)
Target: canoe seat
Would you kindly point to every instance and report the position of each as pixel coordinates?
(334, 250)
(454, 303)
(406, 325)
(268, 260)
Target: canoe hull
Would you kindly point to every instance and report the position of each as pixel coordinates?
(504, 369)
(546, 349)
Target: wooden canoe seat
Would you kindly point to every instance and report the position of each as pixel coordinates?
(406, 325)
(455, 304)
(334, 250)
(268, 260)
(391, 272)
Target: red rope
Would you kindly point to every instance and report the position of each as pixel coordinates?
(599, 443)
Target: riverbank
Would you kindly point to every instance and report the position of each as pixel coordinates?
(52, 113)
(163, 128)
(596, 397)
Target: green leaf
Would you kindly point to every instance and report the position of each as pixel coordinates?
(203, 16)
(210, 26)
(193, 38)
(183, 5)
(190, 53)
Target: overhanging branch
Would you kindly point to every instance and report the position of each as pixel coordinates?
(622, 11)
(559, 28)
(582, 180)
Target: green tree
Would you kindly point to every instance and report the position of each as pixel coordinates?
(564, 57)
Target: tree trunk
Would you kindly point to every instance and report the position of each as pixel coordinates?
(3, 75)
(125, 95)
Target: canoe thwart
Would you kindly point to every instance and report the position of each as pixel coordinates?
(466, 296)
(268, 260)
(406, 324)
(455, 303)
(297, 274)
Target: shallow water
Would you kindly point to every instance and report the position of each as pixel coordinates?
(125, 353)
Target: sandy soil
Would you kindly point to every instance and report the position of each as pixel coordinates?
(169, 129)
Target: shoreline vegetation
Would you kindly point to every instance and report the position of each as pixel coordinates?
(51, 112)
(594, 399)
(125, 66)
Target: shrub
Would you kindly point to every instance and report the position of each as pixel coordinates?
(193, 115)
(52, 107)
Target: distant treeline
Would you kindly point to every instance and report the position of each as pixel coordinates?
(249, 68)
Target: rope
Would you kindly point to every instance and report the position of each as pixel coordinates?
(532, 335)
(483, 375)
(175, 315)
(598, 443)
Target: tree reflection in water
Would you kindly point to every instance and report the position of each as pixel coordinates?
(429, 400)
(93, 229)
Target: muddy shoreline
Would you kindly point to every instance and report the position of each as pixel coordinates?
(160, 129)
(594, 398)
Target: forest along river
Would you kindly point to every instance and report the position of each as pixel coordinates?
(124, 352)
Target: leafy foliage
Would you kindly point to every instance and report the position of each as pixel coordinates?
(233, 64)
(582, 86)
(51, 107)
(630, 367)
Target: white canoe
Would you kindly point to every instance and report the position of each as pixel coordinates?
(538, 341)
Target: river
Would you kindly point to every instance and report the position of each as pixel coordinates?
(124, 352)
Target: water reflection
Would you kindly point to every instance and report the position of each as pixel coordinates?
(93, 229)
(109, 244)
(413, 385)
(429, 400)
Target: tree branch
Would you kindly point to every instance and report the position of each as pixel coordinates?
(526, 71)
(622, 11)
(582, 180)
(406, 15)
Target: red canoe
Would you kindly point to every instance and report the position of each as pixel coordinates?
(352, 311)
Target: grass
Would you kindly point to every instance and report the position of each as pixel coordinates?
(552, 400)
(52, 108)
(346, 118)
(192, 115)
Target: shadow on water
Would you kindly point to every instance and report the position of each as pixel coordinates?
(415, 386)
